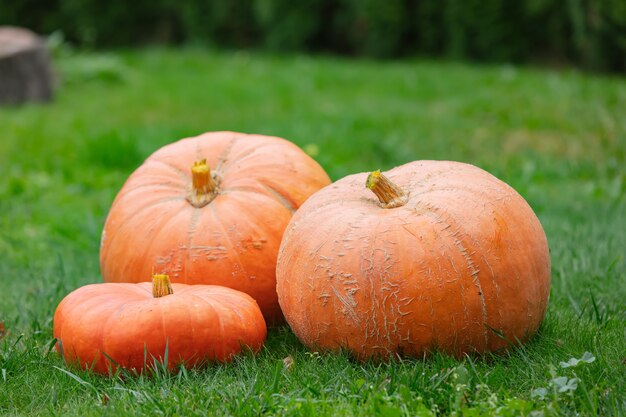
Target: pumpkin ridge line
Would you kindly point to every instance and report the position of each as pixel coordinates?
(144, 289)
(248, 153)
(221, 324)
(487, 188)
(319, 261)
(368, 274)
(107, 296)
(193, 328)
(164, 184)
(245, 155)
(427, 210)
(193, 226)
(243, 189)
(286, 202)
(460, 188)
(221, 160)
(496, 286)
(228, 240)
(183, 175)
(471, 266)
(232, 303)
(105, 329)
(303, 216)
(429, 176)
(129, 218)
(162, 227)
(269, 195)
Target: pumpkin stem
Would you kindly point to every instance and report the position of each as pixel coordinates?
(161, 285)
(203, 187)
(389, 194)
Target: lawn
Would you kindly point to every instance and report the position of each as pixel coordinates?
(558, 137)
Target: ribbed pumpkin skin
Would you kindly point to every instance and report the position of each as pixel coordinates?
(466, 258)
(233, 241)
(197, 323)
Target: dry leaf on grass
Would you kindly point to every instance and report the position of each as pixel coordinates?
(288, 362)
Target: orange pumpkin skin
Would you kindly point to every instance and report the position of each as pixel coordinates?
(233, 240)
(462, 267)
(197, 323)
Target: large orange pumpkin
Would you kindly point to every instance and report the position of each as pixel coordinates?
(447, 258)
(136, 324)
(223, 226)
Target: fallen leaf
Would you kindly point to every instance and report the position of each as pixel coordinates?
(288, 362)
(3, 330)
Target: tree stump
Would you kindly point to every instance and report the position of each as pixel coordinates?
(25, 69)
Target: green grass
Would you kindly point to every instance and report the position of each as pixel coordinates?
(559, 138)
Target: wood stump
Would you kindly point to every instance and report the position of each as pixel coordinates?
(25, 68)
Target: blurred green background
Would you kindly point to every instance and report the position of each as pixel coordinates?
(587, 33)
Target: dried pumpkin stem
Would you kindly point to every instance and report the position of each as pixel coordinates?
(203, 186)
(161, 285)
(389, 194)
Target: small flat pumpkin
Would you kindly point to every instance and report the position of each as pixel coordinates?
(136, 324)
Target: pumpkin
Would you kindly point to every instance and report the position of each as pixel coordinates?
(210, 209)
(103, 326)
(432, 255)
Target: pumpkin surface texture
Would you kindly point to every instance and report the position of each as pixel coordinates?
(210, 210)
(135, 324)
(447, 258)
